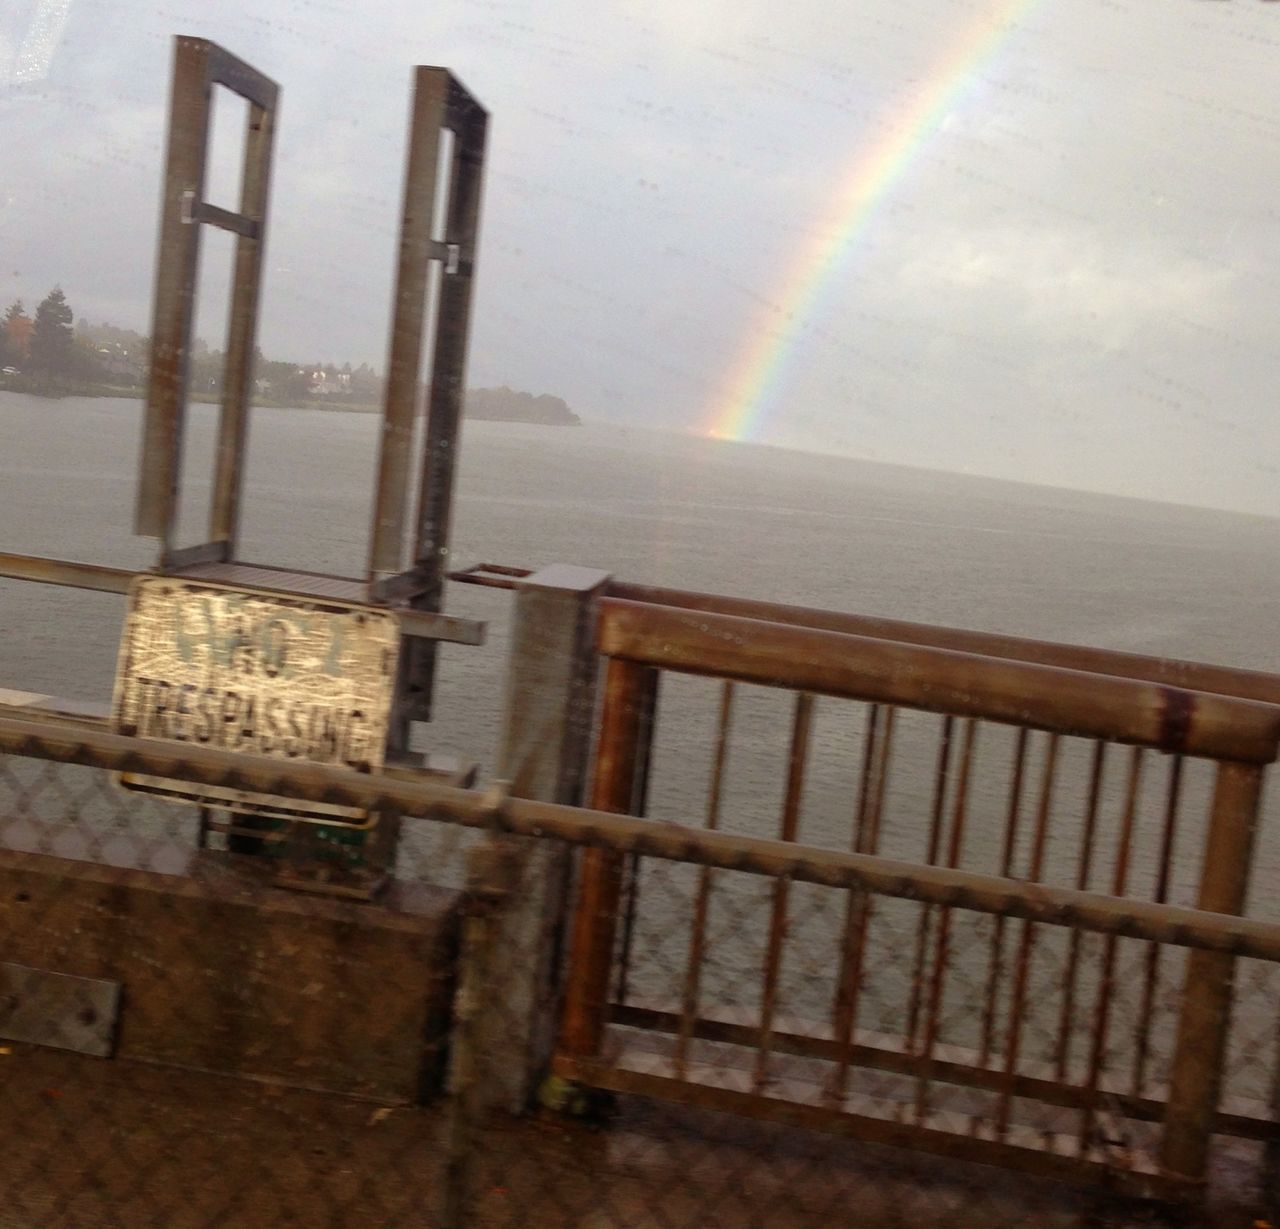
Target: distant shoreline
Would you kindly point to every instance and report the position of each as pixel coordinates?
(104, 392)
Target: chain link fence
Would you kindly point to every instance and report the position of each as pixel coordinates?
(285, 1058)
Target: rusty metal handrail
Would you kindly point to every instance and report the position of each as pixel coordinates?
(1070, 702)
(424, 798)
(1193, 675)
(66, 572)
(428, 624)
(1175, 672)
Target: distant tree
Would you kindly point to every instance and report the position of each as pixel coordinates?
(108, 354)
(284, 381)
(509, 405)
(365, 383)
(15, 334)
(66, 350)
(52, 336)
(85, 362)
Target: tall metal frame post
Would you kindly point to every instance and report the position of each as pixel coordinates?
(199, 65)
(440, 104)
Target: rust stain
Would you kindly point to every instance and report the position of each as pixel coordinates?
(1176, 718)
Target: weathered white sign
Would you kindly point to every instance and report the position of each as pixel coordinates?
(283, 676)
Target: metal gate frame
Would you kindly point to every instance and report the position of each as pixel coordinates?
(638, 641)
(199, 65)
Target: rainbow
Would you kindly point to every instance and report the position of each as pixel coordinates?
(738, 412)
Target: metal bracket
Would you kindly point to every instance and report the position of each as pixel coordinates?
(194, 211)
(57, 1009)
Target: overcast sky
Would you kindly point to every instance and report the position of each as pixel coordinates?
(1074, 279)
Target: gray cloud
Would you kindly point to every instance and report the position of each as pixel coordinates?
(1074, 280)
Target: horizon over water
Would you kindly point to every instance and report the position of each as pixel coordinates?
(1104, 491)
(671, 507)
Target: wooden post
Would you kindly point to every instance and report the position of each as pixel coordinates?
(1271, 1151)
(1205, 1021)
(624, 732)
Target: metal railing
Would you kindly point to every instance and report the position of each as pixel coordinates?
(1192, 675)
(420, 796)
(621, 1029)
(476, 1161)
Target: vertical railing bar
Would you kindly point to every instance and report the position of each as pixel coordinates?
(869, 745)
(870, 742)
(940, 782)
(630, 883)
(1083, 871)
(1151, 971)
(1204, 1016)
(1035, 870)
(639, 806)
(1013, 819)
(941, 951)
(858, 909)
(702, 901)
(1106, 982)
(880, 781)
(627, 693)
(788, 828)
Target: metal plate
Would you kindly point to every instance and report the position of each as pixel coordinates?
(56, 1009)
(247, 670)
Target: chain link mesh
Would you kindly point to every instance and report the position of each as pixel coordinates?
(287, 1059)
